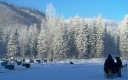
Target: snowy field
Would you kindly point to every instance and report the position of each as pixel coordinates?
(60, 70)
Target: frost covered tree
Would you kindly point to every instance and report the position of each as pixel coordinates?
(42, 42)
(1, 41)
(77, 35)
(1, 34)
(50, 11)
(12, 46)
(57, 42)
(123, 37)
(60, 40)
(92, 39)
(72, 50)
(106, 41)
(23, 42)
(33, 32)
(82, 39)
(85, 42)
(64, 46)
(99, 37)
(51, 22)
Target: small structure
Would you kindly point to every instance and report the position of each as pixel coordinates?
(26, 63)
(19, 62)
(71, 62)
(10, 65)
(38, 61)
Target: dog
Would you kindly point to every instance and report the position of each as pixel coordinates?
(124, 67)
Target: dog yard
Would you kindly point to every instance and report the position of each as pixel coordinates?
(61, 70)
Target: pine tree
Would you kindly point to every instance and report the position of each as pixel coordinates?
(51, 23)
(23, 42)
(78, 36)
(42, 42)
(33, 32)
(99, 36)
(123, 36)
(106, 41)
(1, 34)
(92, 39)
(64, 42)
(12, 46)
(57, 41)
(82, 39)
(85, 41)
(72, 50)
(50, 11)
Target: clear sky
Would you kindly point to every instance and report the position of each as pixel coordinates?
(110, 9)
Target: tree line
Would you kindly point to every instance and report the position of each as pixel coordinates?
(58, 38)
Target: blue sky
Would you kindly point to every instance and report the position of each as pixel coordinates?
(110, 9)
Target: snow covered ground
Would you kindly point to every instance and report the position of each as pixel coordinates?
(60, 70)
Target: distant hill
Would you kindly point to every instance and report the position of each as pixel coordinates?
(12, 15)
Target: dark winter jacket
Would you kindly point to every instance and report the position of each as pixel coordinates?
(109, 63)
(118, 62)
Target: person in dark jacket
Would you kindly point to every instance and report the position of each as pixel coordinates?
(119, 66)
(109, 66)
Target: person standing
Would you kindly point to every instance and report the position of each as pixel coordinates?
(109, 66)
(119, 66)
